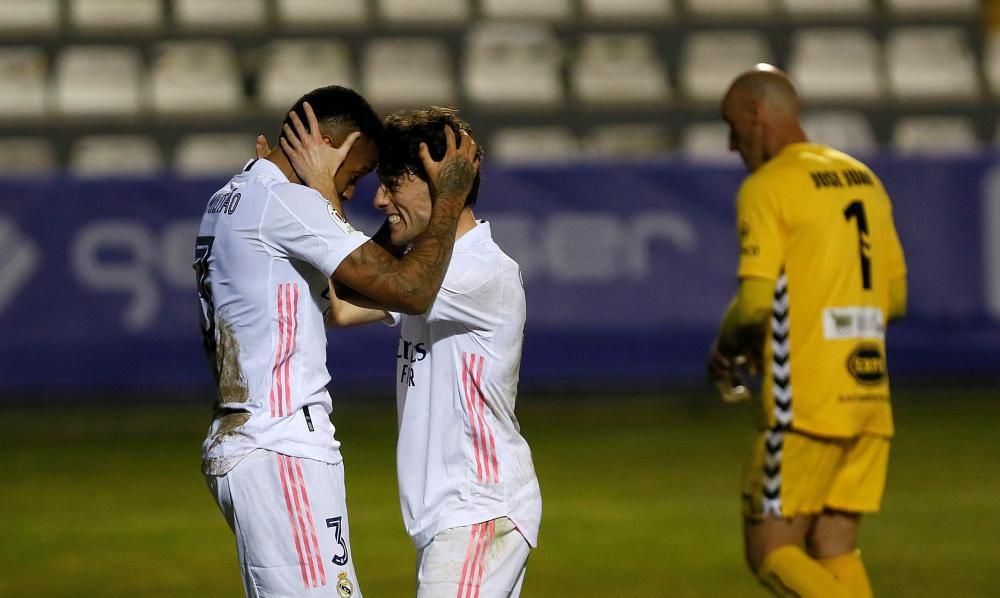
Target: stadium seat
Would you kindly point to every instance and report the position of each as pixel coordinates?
(932, 8)
(23, 90)
(934, 135)
(26, 156)
(533, 145)
(29, 16)
(931, 64)
(630, 142)
(301, 14)
(220, 14)
(619, 70)
(115, 155)
(119, 15)
(213, 154)
(707, 142)
(511, 65)
(628, 11)
(408, 72)
(553, 10)
(845, 130)
(711, 59)
(838, 65)
(729, 9)
(424, 12)
(815, 9)
(195, 78)
(291, 68)
(991, 63)
(99, 81)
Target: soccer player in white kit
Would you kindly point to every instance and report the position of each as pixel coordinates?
(468, 491)
(266, 250)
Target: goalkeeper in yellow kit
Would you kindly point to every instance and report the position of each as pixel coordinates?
(821, 272)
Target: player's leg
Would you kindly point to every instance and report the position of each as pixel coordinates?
(833, 541)
(857, 489)
(486, 560)
(787, 481)
(290, 521)
(219, 487)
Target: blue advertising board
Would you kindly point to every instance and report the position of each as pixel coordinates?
(627, 269)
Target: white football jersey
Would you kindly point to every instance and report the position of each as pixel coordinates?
(460, 457)
(265, 250)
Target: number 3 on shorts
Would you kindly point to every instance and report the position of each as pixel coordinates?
(339, 560)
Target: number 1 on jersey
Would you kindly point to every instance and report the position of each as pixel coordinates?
(856, 210)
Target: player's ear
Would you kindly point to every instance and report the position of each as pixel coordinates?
(328, 140)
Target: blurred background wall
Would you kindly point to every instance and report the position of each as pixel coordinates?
(607, 176)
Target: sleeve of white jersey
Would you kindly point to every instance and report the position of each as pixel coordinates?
(474, 299)
(300, 222)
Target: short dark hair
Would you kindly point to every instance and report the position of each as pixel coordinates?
(337, 106)
(402, 134)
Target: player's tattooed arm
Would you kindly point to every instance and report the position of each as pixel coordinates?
(410, 283)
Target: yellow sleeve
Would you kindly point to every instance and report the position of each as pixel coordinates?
(759, 228)
(750, 308)
(897, 264)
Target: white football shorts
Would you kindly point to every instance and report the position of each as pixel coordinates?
(485, 560)
(289, 516)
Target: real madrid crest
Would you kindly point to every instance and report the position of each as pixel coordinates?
(340, 220)
(344, 586)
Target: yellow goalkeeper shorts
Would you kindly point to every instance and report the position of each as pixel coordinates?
(791, 474)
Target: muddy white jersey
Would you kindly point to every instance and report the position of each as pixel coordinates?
(461, 458)
(264, 252)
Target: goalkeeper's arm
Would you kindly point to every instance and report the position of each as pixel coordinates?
(747, 312)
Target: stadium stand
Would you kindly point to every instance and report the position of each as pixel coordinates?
(813, 9)
(310, 14)
(33, 16)
(619, 70)
(23, 73)
(846, 130)
(627, 11)
(291, 67)
(534, 145)
(115, 156)
(212, 154)
(196, 77)
(712, 58)
(931, 64)
(513, 65)
(578, 65)
(552, 10)
(27, 156)
(213, 15)
(428, 12)
(837, 65)
(407, 72)
(126, 16)
(631, 142)
(934, 135)
(707, 142)
(99, 81)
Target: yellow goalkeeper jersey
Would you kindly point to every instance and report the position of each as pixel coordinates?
(819, 223)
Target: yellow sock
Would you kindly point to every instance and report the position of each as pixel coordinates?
(850, 570)
(790, 573)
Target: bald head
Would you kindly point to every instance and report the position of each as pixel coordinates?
(769, 86)
(762, 109)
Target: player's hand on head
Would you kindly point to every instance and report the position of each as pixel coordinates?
(262, 148)
(452, 175)
(314, 161)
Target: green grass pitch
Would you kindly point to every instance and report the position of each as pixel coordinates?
(640, 499)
